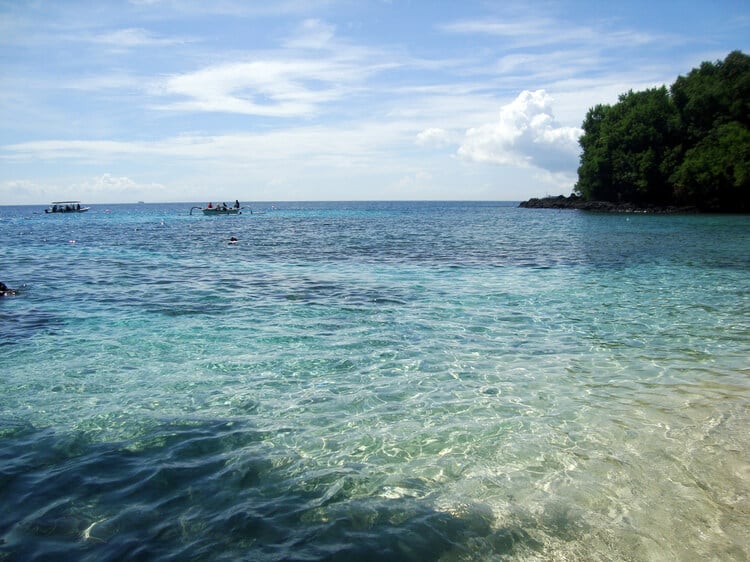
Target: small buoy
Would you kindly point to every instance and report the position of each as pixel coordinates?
(71, 241)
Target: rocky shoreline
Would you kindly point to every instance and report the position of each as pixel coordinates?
(578, 203)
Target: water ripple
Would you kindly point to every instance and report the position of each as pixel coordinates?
(413, 381)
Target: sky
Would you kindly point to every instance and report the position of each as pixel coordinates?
(326, 100)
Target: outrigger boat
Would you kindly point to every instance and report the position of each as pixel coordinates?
(66, 207)
(213, 211)
(222, 209)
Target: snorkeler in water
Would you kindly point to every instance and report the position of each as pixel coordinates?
(6, 291)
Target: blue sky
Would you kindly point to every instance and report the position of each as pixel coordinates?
(187, 100)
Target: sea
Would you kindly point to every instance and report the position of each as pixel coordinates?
(367, 381)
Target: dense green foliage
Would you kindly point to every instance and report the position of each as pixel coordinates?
(689, 145)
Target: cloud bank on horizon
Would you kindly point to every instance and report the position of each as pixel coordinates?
(180, 100)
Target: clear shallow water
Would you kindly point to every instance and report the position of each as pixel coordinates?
(372, 381)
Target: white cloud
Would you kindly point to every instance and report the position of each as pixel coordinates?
(114, 188)
(117, 82)
(329, 146)
(22, 191)
(55, 149)
(413, 180)
(526, 134)
(558, 182)
(279, 88)
(540, 31)
(104, 187)
(133, 37)
(107, 183)
(236, 8)
(519, 28)
(434, 137)
(312, 34)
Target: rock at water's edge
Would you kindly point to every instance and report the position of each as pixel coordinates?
(576, 202)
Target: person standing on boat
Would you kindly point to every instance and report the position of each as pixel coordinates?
(210, 205)
(237, 204)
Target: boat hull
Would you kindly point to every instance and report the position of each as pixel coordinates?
(214, 212)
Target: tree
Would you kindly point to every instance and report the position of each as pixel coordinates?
(713, 102)
(713, 94)
(715, 174)
(625, 146)
(595, 171)
(689, 145)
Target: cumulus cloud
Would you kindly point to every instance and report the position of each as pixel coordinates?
(434, 137)
(113, 188)
(108, 183)
(526, 135)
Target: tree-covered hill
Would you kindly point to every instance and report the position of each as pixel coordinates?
(686, 146)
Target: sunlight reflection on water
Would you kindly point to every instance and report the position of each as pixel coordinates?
(435, 381)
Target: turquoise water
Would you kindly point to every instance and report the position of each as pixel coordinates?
(374, 381)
